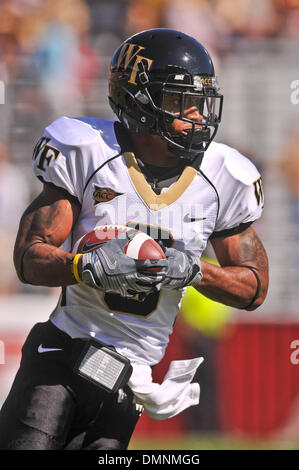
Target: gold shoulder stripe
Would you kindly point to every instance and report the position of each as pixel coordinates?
(157, 201)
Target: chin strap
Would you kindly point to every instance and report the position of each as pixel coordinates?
(196, 161)
(193, 159)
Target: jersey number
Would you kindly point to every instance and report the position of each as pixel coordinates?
(132, 306)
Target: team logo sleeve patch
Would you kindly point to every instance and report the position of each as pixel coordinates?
(104, 194)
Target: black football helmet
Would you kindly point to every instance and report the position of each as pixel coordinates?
(154, 77)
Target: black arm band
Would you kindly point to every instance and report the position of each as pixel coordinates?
(21, 274)
(258, 287)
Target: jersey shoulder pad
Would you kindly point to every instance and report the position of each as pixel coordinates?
(77, 132)
(70, 150)
(240, 167)
(221, 157)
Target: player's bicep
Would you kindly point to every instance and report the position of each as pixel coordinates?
(241, 249)
(244, 249)
(49, 219)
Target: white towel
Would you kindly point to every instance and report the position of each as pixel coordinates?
(175, 394)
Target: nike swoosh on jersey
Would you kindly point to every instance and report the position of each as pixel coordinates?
(41, 349)
(187, 218)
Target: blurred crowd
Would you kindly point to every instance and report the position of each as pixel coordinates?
(52, 52)
(56, 46)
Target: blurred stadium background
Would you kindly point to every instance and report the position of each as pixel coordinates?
(54, 57)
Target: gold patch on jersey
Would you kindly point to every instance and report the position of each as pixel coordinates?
(104, 194)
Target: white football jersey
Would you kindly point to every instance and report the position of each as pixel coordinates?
(84, 158)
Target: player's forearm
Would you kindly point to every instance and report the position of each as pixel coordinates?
(44, 227)
(231, 285)
(45, 265)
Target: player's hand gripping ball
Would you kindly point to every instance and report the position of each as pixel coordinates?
(121, 259)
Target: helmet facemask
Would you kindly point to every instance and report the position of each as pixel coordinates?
(161, 108)
(190, 118)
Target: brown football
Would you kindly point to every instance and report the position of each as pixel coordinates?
(142, 246)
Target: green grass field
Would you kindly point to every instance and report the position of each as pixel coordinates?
(203, 442)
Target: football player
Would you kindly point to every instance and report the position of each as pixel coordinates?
(155, 169)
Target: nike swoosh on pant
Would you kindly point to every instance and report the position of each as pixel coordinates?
(41, 349)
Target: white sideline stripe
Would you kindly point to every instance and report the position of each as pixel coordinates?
(135, 245)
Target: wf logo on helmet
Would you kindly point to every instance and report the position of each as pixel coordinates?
(129, 54)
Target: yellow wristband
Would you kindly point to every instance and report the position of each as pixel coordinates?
(75, 267)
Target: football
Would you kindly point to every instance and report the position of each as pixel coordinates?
(142, 246)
